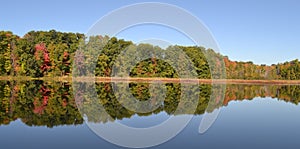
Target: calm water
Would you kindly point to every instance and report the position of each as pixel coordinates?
(37, 114)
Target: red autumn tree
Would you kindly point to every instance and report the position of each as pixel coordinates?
(41, 53)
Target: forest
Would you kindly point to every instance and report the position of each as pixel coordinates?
(52, 54)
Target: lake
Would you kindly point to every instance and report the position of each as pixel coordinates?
(40, 114)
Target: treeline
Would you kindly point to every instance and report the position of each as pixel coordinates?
(38, 54)
(52, 53)
(248, 70)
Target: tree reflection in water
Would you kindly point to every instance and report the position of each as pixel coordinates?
(40, 103)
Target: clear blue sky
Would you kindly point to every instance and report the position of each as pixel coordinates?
(262, 31)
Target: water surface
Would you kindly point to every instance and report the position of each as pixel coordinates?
(37, 114)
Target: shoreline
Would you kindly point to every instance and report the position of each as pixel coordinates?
(147, 80)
